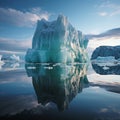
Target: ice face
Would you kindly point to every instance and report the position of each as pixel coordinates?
(57, 41)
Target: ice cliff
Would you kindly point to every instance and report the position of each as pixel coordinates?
(57, 41)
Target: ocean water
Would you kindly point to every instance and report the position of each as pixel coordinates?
(60, 92)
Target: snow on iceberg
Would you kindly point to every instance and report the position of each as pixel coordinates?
(57, 41)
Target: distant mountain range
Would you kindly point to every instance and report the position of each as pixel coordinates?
(110, 33)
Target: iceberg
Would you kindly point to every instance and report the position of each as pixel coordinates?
(15, 58)
(11, 58)
(57, 42)
(106, 51)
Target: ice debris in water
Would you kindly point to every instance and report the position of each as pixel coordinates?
(57, 42)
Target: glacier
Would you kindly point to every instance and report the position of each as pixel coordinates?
(57, 42)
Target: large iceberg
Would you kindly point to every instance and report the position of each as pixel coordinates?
(57, 41)
(106, 51)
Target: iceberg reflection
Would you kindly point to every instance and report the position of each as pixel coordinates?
(57, 83)
(106, 69)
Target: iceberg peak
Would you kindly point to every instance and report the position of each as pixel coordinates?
(57, 41)
(62, 19)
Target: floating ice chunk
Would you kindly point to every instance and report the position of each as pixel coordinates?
(30, 67)
(49, 67)
(15, 58)
(11, 58)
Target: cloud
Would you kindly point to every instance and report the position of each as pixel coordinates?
(112, 9)
(109, 33)
(110, 38)
(103, 13)
(14, 45)
(116, 12)
(22, 19)
(110, 41)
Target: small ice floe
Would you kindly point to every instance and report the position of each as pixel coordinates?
(49, 67)
(14, 58)
(56, 64)
(31, 67)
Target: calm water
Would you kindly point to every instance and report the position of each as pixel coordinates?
(72, 92)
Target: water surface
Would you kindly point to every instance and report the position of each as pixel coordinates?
(59, 91)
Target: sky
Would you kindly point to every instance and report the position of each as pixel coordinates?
(18, 18)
